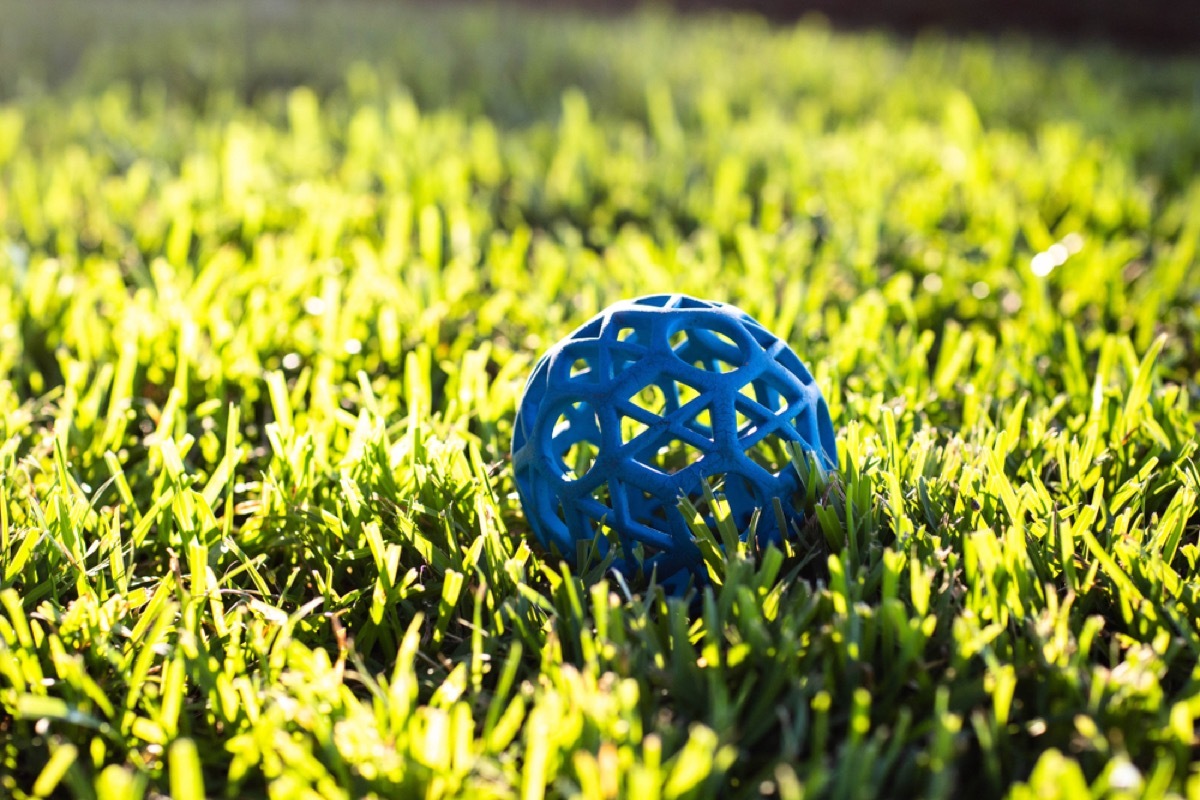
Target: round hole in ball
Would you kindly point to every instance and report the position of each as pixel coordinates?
(576, 440)
(708, 349)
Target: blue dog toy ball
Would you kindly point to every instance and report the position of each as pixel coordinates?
(648, 401)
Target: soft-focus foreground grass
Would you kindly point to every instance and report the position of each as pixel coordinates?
(265, 312)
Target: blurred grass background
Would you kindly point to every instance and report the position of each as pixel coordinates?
(272, 274)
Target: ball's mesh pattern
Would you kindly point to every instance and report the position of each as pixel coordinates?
(645, 402)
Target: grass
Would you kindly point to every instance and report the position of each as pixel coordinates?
(271, 277)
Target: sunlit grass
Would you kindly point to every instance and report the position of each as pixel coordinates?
(265, 315)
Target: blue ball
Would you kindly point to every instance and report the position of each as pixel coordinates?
(647, 402)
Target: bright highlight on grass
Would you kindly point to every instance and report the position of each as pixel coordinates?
(265, 316)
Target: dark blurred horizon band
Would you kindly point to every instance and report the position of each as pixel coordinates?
(1148, 24)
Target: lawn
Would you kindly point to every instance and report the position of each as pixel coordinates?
(272, 277)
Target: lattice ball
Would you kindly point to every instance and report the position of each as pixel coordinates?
(646, 402)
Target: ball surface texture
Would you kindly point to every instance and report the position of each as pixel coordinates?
(648, 401)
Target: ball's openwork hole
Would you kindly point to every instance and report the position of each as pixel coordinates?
(627, 334)
(602, 494)
(770, 453)
(684, 393)
(701, 422)
(672, 456)
(647, 509)
(652, 398)
(757, 407)
(707, 349)
(632, 428)
(769, 393)
(651, 401)
(747, 424)
(578, 459)
(576, 440)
